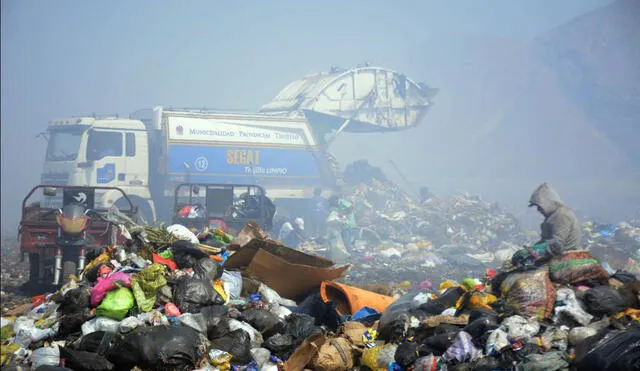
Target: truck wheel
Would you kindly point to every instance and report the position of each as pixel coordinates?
(69, 267)
(34, 268)
(145, 216)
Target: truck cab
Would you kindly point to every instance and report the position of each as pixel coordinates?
(100, 152)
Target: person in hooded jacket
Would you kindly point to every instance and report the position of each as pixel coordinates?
(560, 230)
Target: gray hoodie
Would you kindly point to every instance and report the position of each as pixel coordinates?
(560, 228)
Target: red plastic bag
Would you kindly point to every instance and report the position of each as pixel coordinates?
(157, 259)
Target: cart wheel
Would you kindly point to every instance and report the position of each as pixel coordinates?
(69, 267)
(34, 268)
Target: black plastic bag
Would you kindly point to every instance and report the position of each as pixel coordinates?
(217, 320)
(425, 350)
(98, 342)
(604, 300)
(72, 323)
(510, 356)
(394, 320)
(624, 277)
(191, 294)
(447, 300)
(631, 293)
(79, 360)
(186, 255)
(446, 328)
(301, 326)
(406, 353)
(157, 348)
(280, 345)
(609, 351)
(484, 313)
(479, 330)
(440, 342)
(75, 300)
(324, 313)
(207, 269)
(263, 320)
(237, 343)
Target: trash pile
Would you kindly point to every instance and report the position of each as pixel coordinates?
(167, 301)
(617, 244)
(402, 239)
(13, 274)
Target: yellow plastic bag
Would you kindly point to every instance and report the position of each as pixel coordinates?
(102, 258)
(444, 285)
(6, 352)
(218, 285)
(145, 285)
(220, 360)
(473, 300)
(370, 359)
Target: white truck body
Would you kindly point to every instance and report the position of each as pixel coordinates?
(149, 157)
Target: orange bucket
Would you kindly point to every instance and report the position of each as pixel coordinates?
(350, 299)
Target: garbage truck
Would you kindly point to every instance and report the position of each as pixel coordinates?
(282, 147)
(149, 157)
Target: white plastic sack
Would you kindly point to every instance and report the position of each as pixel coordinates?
(280, 311)
(391, 252)
(233, 283)
(577, 334)
(183, 233)
(255, 335)
(497, 340)
(26, 332)
(270, 296)
(100, 324)
(419, 299)
(262, 358)
(153, 318)
(129, 324)
(556, 337)
(5, 321)
(571, 307)
(449, 312)
(48, 356)
(519, 328)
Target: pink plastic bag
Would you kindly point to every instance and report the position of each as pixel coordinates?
(106, 284)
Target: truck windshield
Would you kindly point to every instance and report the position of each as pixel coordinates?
(64, 144)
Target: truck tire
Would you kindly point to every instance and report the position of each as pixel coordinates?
(145, 215)
(34, 268)
(69, 267)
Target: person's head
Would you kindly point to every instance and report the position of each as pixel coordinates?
(299, 224)
(317, 191)
(545, 199)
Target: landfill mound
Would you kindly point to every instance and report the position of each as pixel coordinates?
(417, 293)
(403, 239)
(13, 275)
(166, 300)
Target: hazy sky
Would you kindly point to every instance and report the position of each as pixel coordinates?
(62, 58)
